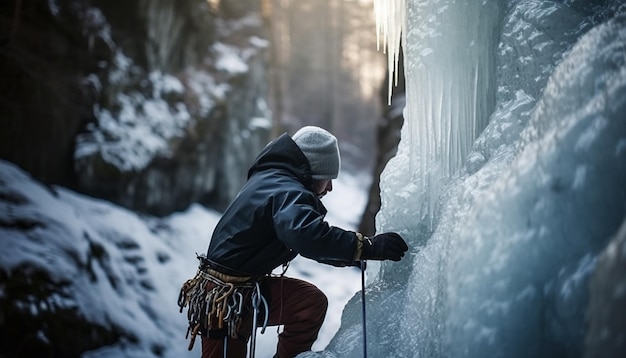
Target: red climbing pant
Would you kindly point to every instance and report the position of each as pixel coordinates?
(297, 305)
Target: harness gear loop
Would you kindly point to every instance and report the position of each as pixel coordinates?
(216, 301)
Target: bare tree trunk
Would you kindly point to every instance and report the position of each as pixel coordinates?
(329, 73)
(273, 17)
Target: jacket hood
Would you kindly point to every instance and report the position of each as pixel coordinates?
(283, 154)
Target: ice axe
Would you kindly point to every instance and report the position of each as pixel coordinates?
(363, 265)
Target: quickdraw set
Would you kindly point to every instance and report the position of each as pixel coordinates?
(219, 303)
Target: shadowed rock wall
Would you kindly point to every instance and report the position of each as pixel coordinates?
(80, 78)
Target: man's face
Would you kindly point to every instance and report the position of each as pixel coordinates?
(322, 187)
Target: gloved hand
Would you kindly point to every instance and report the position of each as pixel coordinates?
(385, 246)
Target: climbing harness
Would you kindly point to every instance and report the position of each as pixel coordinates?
(217, 303)
(363, 305)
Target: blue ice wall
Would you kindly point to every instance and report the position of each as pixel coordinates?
(509, 182)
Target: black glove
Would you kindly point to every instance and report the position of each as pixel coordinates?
(385, 246)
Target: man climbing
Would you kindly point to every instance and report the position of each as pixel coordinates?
(276, 216)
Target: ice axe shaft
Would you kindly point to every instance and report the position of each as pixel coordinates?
(363, 306)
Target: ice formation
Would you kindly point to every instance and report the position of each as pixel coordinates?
(390, 29)
(508, 183)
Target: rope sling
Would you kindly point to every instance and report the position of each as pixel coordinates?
(217, 301)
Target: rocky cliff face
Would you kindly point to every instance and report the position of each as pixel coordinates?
(149, 104)
(44, 53)
(387, 139)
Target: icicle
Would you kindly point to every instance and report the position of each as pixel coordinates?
(450, 89)
(391, 26)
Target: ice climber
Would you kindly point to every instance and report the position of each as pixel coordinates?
(276, 216)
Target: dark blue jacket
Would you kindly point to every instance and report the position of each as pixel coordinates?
(276, 216)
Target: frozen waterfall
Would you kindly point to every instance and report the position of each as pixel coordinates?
(509, 182)
(450, 87)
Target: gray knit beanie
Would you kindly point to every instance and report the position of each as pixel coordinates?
(320, 148)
